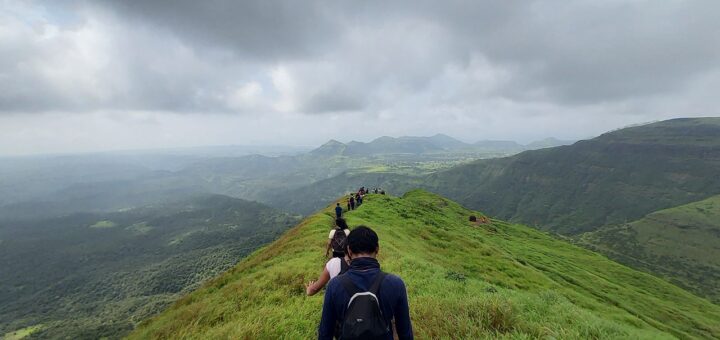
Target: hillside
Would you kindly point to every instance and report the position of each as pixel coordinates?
(433, 146)
(464, 280)
(406, 145)
(617, 177)
(681, 243)
(86, 276)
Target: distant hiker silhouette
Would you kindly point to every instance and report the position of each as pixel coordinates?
(365, 300)
(338, 211)
(337, 239)
(352, 202)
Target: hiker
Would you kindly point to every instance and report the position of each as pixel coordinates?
(338, 211)
(338, 239)
(365, 300)
(382, 191)
(376, 191)
(352, 202)
(358, 199)
(334, 267)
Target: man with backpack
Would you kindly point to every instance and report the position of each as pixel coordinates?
(337, 239)
(365, 300)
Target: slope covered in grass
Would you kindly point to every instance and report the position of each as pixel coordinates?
(463, 280)
(617, 177)
(681, 243)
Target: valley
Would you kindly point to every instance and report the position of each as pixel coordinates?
(122, 239)
(91, 275)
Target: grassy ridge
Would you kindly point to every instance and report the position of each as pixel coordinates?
(464, 281)
(618, 177)
(679, 243)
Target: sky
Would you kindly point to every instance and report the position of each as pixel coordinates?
(78, 76)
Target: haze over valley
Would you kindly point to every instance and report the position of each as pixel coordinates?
(172, 169)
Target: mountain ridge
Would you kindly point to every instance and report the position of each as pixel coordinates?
(620, 175)
(679, 244)
(420, 144)
(498, 279)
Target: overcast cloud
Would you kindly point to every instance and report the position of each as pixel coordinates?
(95, 75)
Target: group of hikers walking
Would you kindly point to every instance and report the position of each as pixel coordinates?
(361, 301)
(355, 199)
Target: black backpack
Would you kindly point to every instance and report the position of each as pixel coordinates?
(363, 316)
(339, 241)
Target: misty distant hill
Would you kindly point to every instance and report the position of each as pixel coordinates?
(549, 142)
(438, 143)
(619, 175)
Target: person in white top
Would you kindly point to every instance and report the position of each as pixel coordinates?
(333, 268)
(339, 263)
(336, 242)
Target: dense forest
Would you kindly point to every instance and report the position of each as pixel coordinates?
(87, 276)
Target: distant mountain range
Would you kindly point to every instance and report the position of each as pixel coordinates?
(56, 185)
(438, 143)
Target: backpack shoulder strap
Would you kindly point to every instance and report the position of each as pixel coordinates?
(375, 288)
(344, 266)
(350, 287)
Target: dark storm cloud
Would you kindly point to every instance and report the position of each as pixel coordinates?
(265, 30)
(224, 56)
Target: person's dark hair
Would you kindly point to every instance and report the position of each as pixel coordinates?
(362, 240)
(341, 223)
(338, 203)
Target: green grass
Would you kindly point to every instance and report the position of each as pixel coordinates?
(140, 228)
(103, 224)
(21, 333)
(679, 243)
(464, 281)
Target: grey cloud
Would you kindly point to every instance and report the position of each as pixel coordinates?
(581, 53)
(333, 101)
(186, 56)
(266, 30)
